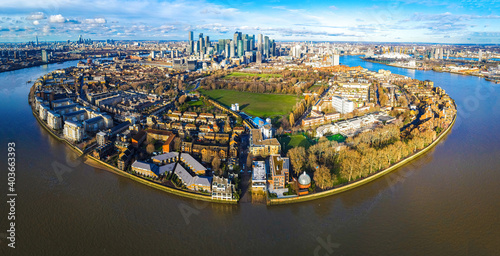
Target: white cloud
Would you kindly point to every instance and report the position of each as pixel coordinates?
(95, 21)
(36, 22)
(57, 18)
(36, 16)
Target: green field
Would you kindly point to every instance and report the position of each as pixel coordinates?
(195, 103)
(336, 137)
(298, 140)
(242, 74)
(255, 104)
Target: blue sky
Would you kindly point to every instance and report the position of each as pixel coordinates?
(383, 21)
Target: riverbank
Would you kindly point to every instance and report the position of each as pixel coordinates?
(115, 170)
(365, 180)
(429, 69)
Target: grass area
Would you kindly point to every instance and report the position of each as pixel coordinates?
(298, 140)
(195, 103)
(243, 74)
(336, 137)
(316, 87)
(255, 104)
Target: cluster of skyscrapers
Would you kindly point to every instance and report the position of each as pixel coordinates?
(240, 45)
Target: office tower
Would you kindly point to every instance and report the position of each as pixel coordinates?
(226, 51)
(37, 40)
(45, 57)
(273, 48)
(266, 46)
(240, 48)
(259, 58)
(221, 46)
(191, 46)
(190, 35)
(259, 43)
(153, 55)
(207, 41)
(231, 49)
(245, 45)
(200, 44)
(480, 55)
(251, 44)
(237, 36)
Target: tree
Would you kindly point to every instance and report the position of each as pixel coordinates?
(182, 99)
(323, 177)
(297, 157)
(383, 99)
(292, 119)
(150, 148)
(151, 140)
(349, 163)
(216, 165)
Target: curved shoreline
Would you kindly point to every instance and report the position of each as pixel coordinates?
(276, 201)
(368, 179)
(115, 170)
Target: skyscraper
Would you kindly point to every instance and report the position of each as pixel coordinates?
(240, 48)
(190, 35)
(266, 46)
(237, 36)
(226, 51)
(259, 58)
(259, 43)
(232, 49)
(45, 57)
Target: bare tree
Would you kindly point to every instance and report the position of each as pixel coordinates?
(323, 177)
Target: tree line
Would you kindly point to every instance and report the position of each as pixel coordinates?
(333, 164)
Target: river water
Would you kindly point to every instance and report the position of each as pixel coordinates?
(443, 203)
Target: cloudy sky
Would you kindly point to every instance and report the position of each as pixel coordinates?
(470, 21)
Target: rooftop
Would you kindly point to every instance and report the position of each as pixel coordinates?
(259, 171)
(166, 156)
(258, 141)
(193, 163)
(278, 164)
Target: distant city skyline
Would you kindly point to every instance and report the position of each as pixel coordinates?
(364, 21)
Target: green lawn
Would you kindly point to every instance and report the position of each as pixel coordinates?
(255, 104)
(248, 75)
(298, 140)
(336, 137)
(195, 103)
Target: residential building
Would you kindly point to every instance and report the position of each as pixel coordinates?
(54, 120)
(280, 171)
(192, 182)
(145, 169)
(259, 175)
(342, 105)
(193, 164)
(222, 188)
(73, 131)
(263, 147)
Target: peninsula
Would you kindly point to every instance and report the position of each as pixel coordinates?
(262, 128)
